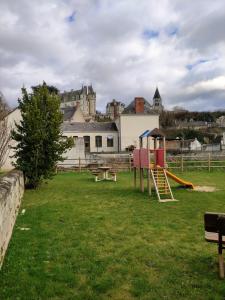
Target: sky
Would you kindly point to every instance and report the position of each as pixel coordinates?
(124, 48)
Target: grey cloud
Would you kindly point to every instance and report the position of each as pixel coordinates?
(105, 46)
(208, 32)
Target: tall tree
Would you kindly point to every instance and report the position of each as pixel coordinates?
(51, 88)
(40, 143)
(4, 130)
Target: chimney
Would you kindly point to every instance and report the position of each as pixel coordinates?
(139, 105)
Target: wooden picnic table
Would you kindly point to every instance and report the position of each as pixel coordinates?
(105, 171)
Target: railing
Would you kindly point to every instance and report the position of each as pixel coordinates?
(123, 163)
(204, 162)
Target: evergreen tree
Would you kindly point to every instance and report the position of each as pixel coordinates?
(40, 144)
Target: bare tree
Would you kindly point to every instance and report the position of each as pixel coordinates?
(5, 131)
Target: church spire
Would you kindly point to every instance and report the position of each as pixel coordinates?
(157, 101)
(157, 94)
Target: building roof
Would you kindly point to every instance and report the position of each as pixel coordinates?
(157, 94)
(114, 103)
(130, 109)
(84, 90)
(68, 112)
(156, 132)
(90, 127)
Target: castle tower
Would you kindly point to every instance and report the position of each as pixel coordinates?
(157, 101)
(86, 97)
(91, 97)
(114, 109)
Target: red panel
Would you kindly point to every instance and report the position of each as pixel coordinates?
(144, 158)
(160, 158)
(136, 158)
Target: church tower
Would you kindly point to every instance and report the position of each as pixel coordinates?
(157, 101)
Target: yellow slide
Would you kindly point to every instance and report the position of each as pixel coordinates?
(187, 184)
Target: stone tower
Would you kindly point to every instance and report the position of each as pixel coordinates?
(91, 98)
(157, 101)
(114, 109)
(85, 97)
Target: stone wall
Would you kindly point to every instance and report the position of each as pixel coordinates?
(11, 193)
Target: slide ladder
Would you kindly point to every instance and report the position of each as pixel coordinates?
(161, 184)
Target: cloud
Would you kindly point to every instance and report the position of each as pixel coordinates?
(124, 48)
(71, 18)
(150, 34)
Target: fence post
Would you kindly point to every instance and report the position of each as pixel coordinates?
(130, 163)
(182, 164)
(79, 164)
(209, 162)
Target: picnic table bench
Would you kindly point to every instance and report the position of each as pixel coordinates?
(103, 172)
(215, 233)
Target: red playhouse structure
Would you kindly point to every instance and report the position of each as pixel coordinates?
(154, 161)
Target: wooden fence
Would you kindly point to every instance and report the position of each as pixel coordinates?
(125, 163)
(199, 162)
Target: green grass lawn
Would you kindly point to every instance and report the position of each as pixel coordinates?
(105, 240)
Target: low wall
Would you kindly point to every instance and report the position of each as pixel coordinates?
(11, 193)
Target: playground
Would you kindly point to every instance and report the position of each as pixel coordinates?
(107, 240)
(152, 158)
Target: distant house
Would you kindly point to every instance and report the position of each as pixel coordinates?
(223, 142)
(194, 125)
(174, 145)
(114, 109)
(194, 145)
(221, 121)
(135, 119)
(97, 136)
(179, 145)
(211, 147)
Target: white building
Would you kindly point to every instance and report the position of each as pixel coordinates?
(221, 121)
(222, 143)
(12, 118)
(131, 126)
(137, 117)
(99, 137)
(195, 145)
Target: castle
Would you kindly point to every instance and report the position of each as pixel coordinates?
(85, 98)
(90, 136)
(138, 105)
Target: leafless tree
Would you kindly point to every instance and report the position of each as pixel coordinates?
(5, 131)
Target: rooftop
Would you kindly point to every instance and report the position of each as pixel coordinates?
(157, 94)
(130, 109)
(90, 127)
(68, 112)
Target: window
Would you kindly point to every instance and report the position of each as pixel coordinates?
(98, 141)
(75, 138)
(109, 141)
(87, 143)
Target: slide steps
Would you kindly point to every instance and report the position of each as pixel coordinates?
(161, 184)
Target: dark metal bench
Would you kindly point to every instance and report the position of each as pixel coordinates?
(215, 233)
